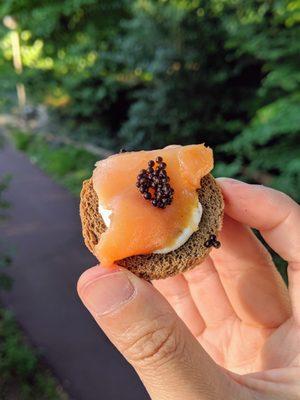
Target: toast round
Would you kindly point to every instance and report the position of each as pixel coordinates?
(157, 266)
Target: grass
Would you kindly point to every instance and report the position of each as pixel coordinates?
(22, 376)
(66, 164)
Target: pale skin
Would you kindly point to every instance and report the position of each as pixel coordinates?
(228, 329)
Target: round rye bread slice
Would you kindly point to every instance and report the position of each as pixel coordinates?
(157, 266)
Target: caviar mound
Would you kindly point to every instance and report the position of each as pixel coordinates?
(154, 183)
(157, 266)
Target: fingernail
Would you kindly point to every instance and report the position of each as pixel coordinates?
(108, 292)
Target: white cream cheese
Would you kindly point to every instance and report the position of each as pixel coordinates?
(186, 233)
(105, 214)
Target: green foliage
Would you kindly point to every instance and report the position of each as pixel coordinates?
(61, 47)
(278, 122)
(66, 164)
(22, 140)
(147, 73)
(190, 80)
(19, 366)
(51, 20)
(270, 143)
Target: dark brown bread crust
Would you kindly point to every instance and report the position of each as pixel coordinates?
(157, 266)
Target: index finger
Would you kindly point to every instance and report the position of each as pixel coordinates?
(276, 216)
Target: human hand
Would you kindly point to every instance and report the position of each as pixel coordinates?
(238, 335)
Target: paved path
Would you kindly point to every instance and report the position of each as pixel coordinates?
(44, 229)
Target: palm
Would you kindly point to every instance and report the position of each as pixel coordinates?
(244, 349)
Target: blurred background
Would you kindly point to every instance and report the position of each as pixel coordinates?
(80, 79)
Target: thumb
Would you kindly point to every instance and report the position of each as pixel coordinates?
(146, 330)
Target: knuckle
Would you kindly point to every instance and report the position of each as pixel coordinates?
(152, 343)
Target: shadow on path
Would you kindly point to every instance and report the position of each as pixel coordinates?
(44, 229)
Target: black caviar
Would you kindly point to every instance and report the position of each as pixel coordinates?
(212, 241)
(154, 183)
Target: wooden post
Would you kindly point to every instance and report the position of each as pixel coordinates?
(11, 23)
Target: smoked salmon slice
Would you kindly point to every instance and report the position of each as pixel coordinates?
(136, 226)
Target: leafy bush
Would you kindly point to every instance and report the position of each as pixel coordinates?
(269, 146)
(191, 80)
(22, 140)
